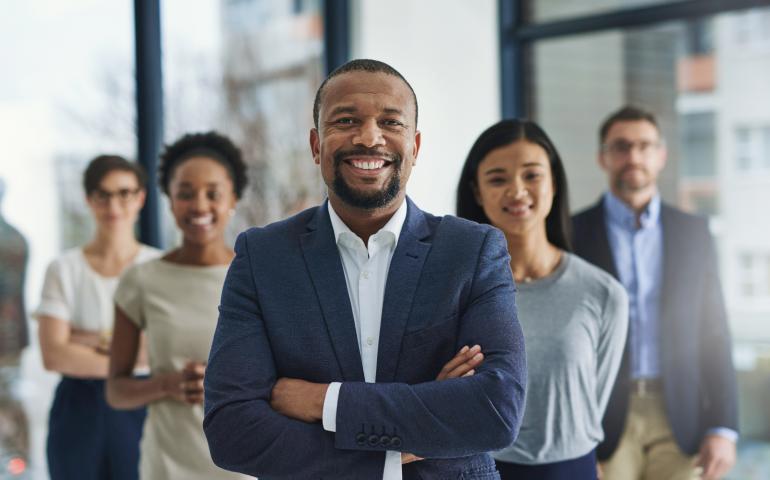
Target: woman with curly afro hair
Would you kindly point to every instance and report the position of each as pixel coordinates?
(174, 301)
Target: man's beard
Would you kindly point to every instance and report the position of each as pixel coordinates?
(624, 185)
(361, 200)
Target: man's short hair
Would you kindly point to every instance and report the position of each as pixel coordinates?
(628, 113)
(361, 65)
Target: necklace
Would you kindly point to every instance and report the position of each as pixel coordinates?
(530, 277)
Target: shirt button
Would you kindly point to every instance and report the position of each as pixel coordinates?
(365, 274)
(369, 341)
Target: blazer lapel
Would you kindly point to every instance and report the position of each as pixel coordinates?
(325, 266)
(598, 249)
(401, 286)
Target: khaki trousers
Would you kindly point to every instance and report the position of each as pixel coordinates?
(647, 449)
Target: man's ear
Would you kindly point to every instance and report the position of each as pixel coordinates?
(315, 145)
(416, 146)
(663, 156)
(600, 160)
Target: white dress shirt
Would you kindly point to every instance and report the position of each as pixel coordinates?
(366, 272)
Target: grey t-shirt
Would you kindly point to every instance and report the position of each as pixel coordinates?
(575, 322)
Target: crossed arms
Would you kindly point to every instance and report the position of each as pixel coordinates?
(450, 418)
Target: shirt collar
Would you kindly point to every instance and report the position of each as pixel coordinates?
(621, 214)
(394, 225)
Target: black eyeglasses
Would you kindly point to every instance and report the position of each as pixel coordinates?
(124, 195)
(623, 147)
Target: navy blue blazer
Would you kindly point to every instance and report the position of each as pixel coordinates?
(699, 385)
(285, 312)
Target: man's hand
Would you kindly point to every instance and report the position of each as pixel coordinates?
(463, 364)
(716, 456)
(409, 458)
(299, 399)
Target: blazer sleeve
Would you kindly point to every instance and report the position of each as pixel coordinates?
(720, 398)
(461, 416)
(244, 433)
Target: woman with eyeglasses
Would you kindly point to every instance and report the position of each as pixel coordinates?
(573, 315)
(174, 300)
(88, 440)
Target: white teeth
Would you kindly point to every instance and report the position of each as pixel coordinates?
(205, 220)
(368, 165)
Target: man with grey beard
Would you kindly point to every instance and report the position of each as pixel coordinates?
(673, 410)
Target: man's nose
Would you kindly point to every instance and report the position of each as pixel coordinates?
(369, 134)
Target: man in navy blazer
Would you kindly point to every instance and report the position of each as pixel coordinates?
(335, 324)
(674, 403)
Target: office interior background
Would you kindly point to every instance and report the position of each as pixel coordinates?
(250, 68)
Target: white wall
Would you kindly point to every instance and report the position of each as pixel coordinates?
(448, 51)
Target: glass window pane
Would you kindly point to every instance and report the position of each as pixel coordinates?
(66, 95)
(249, 68)
(708, 86)
(545, 11)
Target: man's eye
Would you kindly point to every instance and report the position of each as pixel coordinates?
(392, 123)
(344, 121)
(214, 195)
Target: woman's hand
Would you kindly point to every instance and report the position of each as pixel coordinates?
(186, 385)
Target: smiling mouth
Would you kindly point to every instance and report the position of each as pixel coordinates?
(368, 164)
(202, 221)
(517, 210)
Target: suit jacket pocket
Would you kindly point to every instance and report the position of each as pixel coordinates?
(445, 329)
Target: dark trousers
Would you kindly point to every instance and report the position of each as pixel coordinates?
(88, 440)
(581, 468)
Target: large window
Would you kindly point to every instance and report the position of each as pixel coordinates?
(705, 76)
(248, 68)
(66, 95)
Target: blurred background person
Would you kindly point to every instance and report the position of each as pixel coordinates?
(675, 403)
(574, 315)
(14, 336)
(174, 299)
(86, 438)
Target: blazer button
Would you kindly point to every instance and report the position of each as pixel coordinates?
(361, 439)
(373, 440)
(384, 440)
(395, 441)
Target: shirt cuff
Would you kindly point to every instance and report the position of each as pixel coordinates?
(392, 469)
(330, 407)
(727, 433)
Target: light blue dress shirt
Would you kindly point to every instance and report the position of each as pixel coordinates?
(637, 251)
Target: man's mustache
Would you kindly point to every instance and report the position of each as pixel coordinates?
(340, 155)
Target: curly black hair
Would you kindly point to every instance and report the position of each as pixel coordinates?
(212, 145)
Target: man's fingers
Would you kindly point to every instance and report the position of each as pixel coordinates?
(466, 366)
(459, 358)
(409, 458)
(450, 370)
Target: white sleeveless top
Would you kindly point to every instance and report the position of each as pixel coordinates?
(75, 293)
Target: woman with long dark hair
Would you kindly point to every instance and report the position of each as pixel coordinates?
(573, 315)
